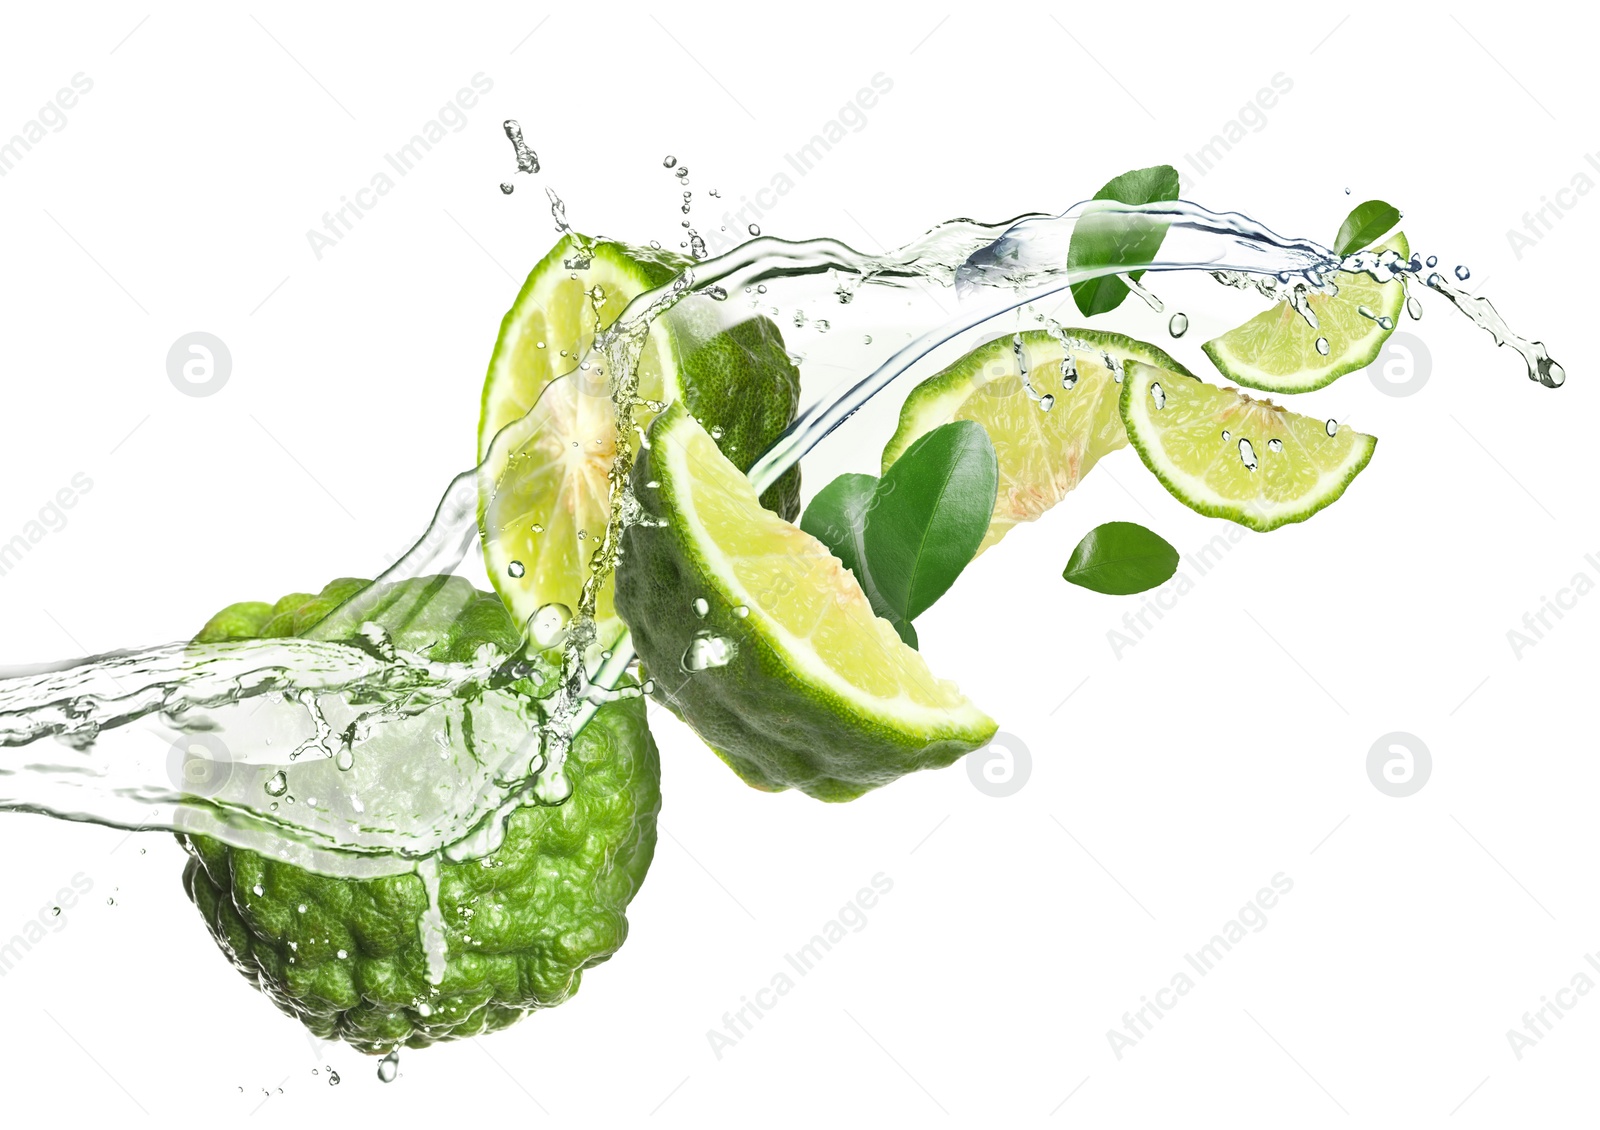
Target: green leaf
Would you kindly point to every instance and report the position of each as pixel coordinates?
(930, 512)
(1121, 558)
(837, 517)
(1114, 238)
(1365, 225)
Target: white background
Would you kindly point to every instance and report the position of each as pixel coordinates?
(1229, 745)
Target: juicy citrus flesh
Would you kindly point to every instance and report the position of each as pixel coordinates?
(1043, 453)
(1229, 455)
(1276, 351)
(551, 503)
(794, 590)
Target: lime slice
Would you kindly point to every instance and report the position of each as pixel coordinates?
(546, 505)
(546, 517)
(1227, 455)
(756, 635)
(1276, 351)
(1044, 447)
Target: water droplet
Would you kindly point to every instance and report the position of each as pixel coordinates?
(1463, 274)
(1046, 402)
(1323, 347)
(1333, 427)
(822, 325)
(548, 625)
(1274, 445)
(1247, 454)
(1433, 260)
(1385, 322)
(1226, 436)
(1367, 312)
(389, 1067)
(717, 292)
(344, 760)
(333, 1077)
(516, 569)
(741, 611)
(259, 890)
(277, 784)
(527, 159)
(1158, 394)
(716, 431)
(1178, 325)
(536, 528)
(700, 606)
(342, 954)
(582, 534)
(1069, 372)
(538, 345)
(55, 912)
(111, 902)
(707, 651)
(507, 187)
(669, 161)
(866, 339)
(1414, 308)
(754, 229)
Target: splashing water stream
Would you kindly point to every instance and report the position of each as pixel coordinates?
(328, 754)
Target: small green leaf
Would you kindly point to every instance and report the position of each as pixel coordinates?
(837, 517)
(930, 512)
(1121, 558)
(1365, 225)
(1114, 238)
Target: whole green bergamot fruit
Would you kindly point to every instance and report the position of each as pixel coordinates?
(346, 956)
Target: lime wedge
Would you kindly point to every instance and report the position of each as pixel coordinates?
(1276, 351)
(1227, 455)
(1044, 447)
(756, 635)
(546, 508)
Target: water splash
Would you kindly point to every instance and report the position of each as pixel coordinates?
(92, 739)
(1541, 366)
(558, 210)
(527, 159)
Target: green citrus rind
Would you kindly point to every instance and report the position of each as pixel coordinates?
(1043, 455)
(1276, 350)
(776, 711)
(346, 956)
(545, 507)
(1174, 443)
